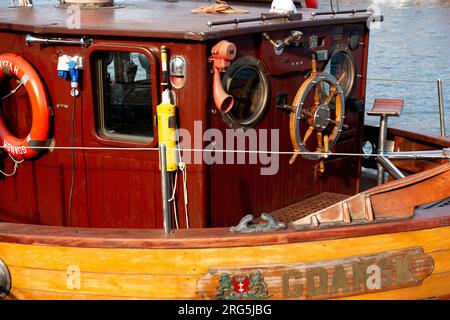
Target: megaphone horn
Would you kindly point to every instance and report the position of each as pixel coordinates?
(222, 55)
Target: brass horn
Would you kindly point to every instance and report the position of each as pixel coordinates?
(222, 54)
(224, 102)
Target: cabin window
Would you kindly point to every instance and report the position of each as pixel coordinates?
(247, 82)
(124, 95)
(341, 66)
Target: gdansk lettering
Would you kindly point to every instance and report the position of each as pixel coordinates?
(350, 276)
(358, 275)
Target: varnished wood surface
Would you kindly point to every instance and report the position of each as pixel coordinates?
(41, 271)
(297, 279)
(222, 237)
(151, 19)
(237, 190)
(198, 238)
(390, 107)
(394, 200)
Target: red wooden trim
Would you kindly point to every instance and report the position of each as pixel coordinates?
(200, 238)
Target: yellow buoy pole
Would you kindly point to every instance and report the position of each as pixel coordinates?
(166, 117)
(167, 140)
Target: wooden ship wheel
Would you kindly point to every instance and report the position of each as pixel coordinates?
(321, 118)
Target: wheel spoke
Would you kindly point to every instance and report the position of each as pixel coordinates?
(326, 143)
(294, 157)
(333, 91)
(306, 113)
(322, 166)
(313, 66)
(319, 141)
(316, 96)
(308, 134)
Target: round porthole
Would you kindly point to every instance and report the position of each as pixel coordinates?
(247, 82)
(341, 66)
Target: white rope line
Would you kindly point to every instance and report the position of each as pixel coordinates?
(13, 91)
(16, 165)
(390, 154)
(182, 167)
(195, 150)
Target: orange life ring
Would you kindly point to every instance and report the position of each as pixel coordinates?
(12, 65)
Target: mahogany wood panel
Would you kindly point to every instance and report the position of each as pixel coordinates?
(237, 190)
(112, 188)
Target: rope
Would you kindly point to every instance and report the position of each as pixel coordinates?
(231, 151)
(219, 7)
(174, 190)
(12, 91)
(72, 181)
(182, 167)
(16, 165)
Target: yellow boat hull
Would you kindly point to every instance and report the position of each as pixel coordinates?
(42, 271)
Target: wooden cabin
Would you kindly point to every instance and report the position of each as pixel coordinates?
(88, 98)
(119, 92)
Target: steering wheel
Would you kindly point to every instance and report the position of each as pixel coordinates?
(321, 117)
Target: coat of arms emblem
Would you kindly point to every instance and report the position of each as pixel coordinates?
(248, 286)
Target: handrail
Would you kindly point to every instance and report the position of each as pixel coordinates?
(441, 107)
(262, 18)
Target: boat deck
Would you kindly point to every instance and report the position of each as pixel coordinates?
(307, 206)
(153, 18)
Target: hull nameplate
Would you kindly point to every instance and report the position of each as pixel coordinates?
(326, 279)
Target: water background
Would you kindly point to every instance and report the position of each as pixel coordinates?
(413, 43)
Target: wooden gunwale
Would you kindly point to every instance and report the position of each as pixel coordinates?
(403, 131)
(199, 238)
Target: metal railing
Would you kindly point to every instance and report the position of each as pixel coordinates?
(440, 93)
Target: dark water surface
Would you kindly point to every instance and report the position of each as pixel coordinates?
(413, 44)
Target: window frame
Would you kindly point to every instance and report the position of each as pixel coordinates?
(98, 107)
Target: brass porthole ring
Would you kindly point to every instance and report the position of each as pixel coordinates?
(341, 65)
(5, 280)
(246, 80)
